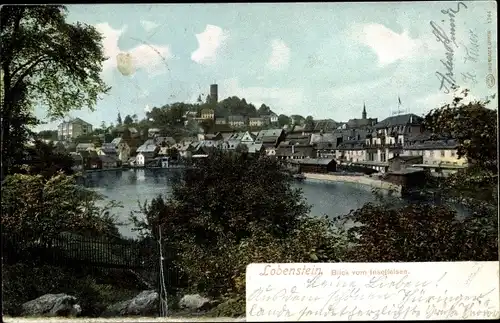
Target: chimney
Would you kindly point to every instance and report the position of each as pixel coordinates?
(293, 149)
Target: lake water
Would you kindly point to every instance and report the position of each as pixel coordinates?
(131, 186)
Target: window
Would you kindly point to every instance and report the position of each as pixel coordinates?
(431, 153)
(452, 153)
(442, 153)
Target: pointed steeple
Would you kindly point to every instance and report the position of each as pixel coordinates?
(364, 111)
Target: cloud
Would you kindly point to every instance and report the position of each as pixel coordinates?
(209, 43)
(388, 45)
(148, 57)
(280, 55)
(148, 25)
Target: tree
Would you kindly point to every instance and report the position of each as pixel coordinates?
(425, 232)
(48, 135)
(128, 120)
(119, 120)
(97, 141)
(264, 110)
(36, 208)
(309, 121)
(46, 160)
(284, 120)
(173, 153)
(421, 232)
(473, 125)
(224, 201)
(46, 60)
(297, 119)
(104, 126)
(135, 118)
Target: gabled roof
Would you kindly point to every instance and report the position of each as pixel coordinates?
(400, 120)
(325, 137)
(236, 118)
(168, 140)
(80, 121)
(116, 141)
(295, 152)
(325, 125)
(270, 133)
(147, 148)
(361, 123)
(253, 147)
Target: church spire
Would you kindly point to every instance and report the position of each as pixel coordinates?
(364, 111)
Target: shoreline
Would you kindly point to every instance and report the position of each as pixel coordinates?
(363, 180)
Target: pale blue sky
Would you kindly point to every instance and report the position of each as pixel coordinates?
(322, 59)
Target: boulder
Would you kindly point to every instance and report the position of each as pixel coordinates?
(195, 302)
(52, 305)
(146, 303)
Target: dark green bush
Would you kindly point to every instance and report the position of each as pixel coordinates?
(24, 282)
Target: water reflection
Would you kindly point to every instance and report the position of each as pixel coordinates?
(133, 186)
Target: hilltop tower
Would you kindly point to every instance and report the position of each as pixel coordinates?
(214, 96)
(364, 112)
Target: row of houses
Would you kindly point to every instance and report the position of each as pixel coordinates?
(364, 142)
(234, 121)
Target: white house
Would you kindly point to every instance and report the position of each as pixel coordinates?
(274, 118)
(140, 159)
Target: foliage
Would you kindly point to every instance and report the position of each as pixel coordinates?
(309, 122)
(422, 232)
(473, 125)
(297, 119)
(46, 61)
(222, 217)
(24, 282)
(48, 135)
(128, 120)
(284, 120)
(231, 307)
(46, 159)
(173, 153)
(39, 209)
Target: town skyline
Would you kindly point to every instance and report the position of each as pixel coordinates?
(321, 62)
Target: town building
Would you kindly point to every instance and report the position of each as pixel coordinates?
(146, 152)
(270, 139)
(364, 122)
(220, 120)
(84, 147)
(73, 129)
(236, 121)
(256, 122)
(314, 165)
(207, 114)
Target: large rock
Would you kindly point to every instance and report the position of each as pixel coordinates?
(146, 303)
(195, 302)
(52, 305)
